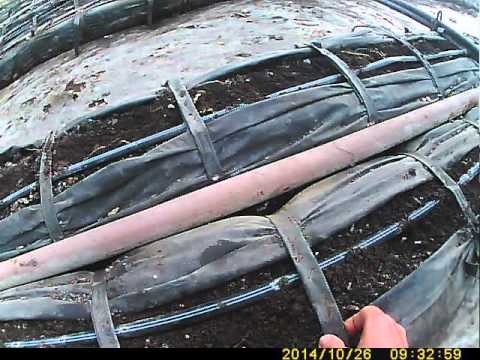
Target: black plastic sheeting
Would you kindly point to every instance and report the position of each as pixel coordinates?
(213, 254)
(20, 19)
(362, 38)
(260, 126)
(438, 303)
(244, 139)
(96, 21)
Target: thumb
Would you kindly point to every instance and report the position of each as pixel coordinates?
(331, 341)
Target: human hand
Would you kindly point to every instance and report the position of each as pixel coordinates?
(378, 330)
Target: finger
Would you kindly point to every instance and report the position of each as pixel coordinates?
(356, 323)
(331, 341)
(402, 336)
(351, 325)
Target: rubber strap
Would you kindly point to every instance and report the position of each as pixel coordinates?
(474, 124)
(46, 192)
(100, 311)
(198, 129)
(34, 25)
(451, 185)
(149, 5)
(78, 22)
(425, 63)
(314, 281)
(354, 81)
(421, 58)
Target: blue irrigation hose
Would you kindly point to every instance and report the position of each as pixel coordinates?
(165, 322)
(109, 156)
(168, 134)
(299, 53)
(102, 158)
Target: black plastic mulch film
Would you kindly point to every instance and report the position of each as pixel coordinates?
(248, 242)
(196, 259)
(240, 140)
(345, 108)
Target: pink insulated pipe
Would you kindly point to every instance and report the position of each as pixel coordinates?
(228, 196)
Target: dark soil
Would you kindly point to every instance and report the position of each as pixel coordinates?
(98, 136)
(361, 57)
(365, 56)
(253, 86)
(472, 193)
(286, 318)
(428, 47)
(17, 173)
(101, 135)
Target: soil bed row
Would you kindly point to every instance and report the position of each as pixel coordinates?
(98, 136)
(286, 318)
